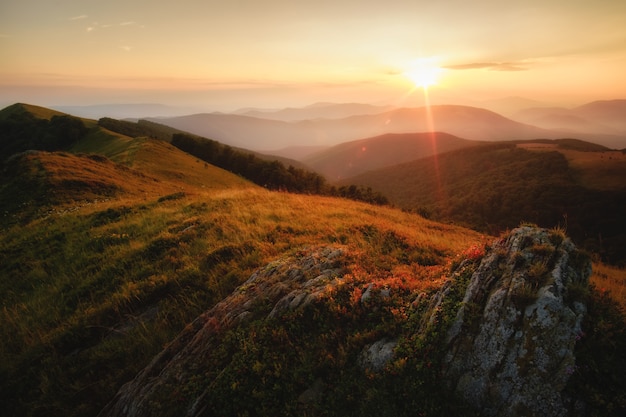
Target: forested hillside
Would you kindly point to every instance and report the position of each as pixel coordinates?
(492, 188)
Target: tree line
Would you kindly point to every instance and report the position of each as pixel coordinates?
(141, 128)
(273, 175)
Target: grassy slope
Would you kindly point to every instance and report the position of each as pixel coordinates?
(37, 111)
(95, 288)
(91, 295)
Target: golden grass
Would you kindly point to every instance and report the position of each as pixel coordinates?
(114, 146)
(98, 269)
(599, 170)
(41, 112)
(171, 165)
(81, 178)
(595, 170)
(610, 279)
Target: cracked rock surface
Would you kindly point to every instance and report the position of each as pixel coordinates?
(511, 345)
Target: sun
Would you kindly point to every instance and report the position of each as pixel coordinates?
(423, 73)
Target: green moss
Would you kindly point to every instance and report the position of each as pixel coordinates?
(598, 377)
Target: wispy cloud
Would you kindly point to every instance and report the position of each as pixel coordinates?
(490, 66)
(79, 17)
(98, 26)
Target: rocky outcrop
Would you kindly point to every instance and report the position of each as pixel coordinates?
(511, 344)
(287, 283)
(501, 333)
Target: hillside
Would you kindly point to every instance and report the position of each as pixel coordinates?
(355, 157)
(94, 292)
(138, 242)
(493, 188)
(20, 109)
(145, 128)
(24, 127)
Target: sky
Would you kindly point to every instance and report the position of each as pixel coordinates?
(223, 55)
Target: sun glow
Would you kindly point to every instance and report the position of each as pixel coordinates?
(423, 72)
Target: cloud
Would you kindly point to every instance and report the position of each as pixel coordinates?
(80, 17)
(98, 26)
(490, 66)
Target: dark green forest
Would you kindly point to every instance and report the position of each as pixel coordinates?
(493, 188)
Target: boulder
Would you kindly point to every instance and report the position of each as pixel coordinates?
(510, 347)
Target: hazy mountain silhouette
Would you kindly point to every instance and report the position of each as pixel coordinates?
(609, 112)
(315, 111)
(125, 110)
(509, 106)
(262, 134)
(355, 157)
(602, 122)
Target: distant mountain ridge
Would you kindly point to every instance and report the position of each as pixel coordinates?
(316, 111)
(463, 121)
(125, 110)
(603, 117)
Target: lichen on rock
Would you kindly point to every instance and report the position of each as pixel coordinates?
(511, 346)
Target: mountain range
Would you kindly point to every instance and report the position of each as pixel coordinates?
(467, 122)
(315, 111)
(604, 117)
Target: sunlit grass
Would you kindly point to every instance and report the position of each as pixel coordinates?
(117, 279)
(610, 279)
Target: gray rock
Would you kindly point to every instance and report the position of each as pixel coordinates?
(377, 355)
(511, 346)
